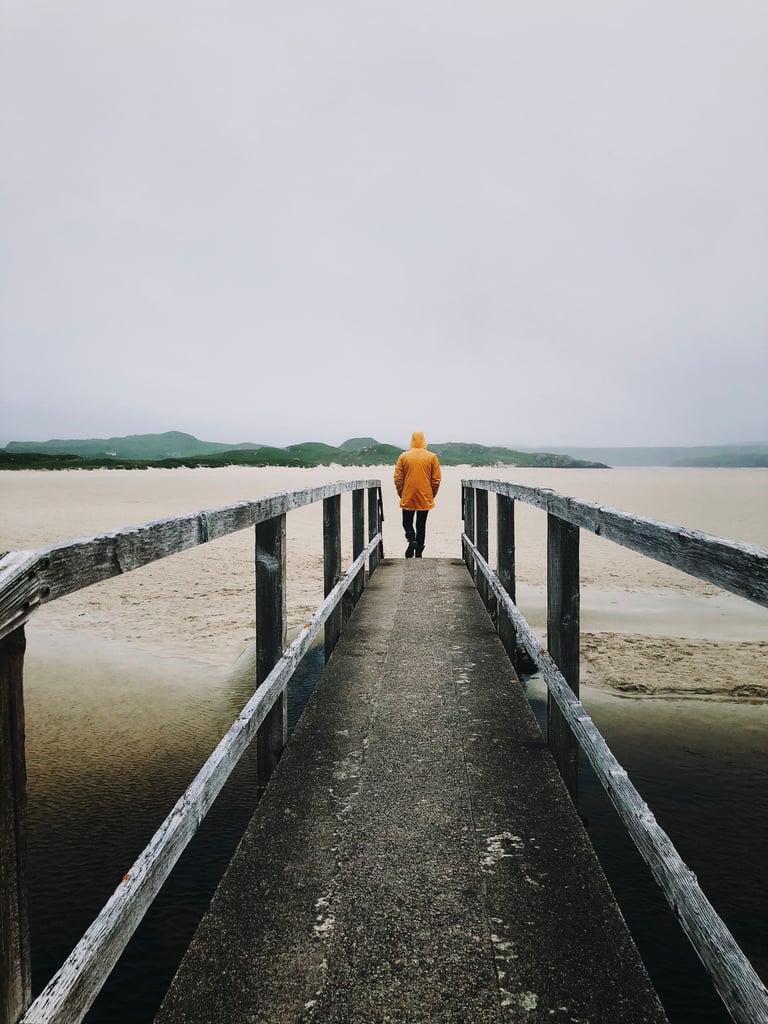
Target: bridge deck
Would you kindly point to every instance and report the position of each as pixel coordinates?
(415, 856)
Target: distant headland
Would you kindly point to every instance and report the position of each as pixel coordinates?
(174, 449)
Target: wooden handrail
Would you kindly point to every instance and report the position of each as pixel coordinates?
(735, 566)
(72, 990)
(741, 990)
(740, 568)
(29, 579)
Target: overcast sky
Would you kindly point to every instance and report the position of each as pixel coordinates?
(532, 223)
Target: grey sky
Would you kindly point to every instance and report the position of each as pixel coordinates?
(524, 223)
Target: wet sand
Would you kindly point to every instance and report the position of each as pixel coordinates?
(648, 629)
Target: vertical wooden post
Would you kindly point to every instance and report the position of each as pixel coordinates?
(464, 523)
(563, 638)
(332, 566)
(380, 520)
(481, 526)
(358, 538)
(505, 569)
(270, 639)
(373, 526)
(15, 961)
(469, 524)
(352, 595)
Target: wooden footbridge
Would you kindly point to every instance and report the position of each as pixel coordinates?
(416, 854)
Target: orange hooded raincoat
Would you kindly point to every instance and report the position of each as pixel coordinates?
(417, 475)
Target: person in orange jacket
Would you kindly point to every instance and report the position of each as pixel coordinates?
(417, 479)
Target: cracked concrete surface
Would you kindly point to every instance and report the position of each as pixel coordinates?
(415, 856)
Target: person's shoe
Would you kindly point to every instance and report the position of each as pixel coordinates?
(418, 552)
(409, 551)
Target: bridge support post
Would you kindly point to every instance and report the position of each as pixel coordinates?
(15, 959)
(563, 639)
(481, 526)
(332, 567)
(468, 515)
(354, 593)
(270, 639)
(374, 526)
(505, 570)
(358, 537)
(380, 519)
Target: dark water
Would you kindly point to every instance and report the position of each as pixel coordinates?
(702, 767)
(84, 838)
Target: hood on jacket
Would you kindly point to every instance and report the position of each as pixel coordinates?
(418, 440)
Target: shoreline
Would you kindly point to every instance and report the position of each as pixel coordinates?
(627, 665)
(648, 630)
(636, 666)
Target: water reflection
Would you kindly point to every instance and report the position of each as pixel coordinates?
(702, 767)
(110, 752)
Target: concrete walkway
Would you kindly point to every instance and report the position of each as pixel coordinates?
(415, 857)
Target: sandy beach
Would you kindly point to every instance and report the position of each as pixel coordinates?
(648, 629)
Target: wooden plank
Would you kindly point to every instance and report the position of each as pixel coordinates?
(270, 639)
(70, 993)
(15, 962)
(62, 569)
(505, 568)
(563, 637)
(332, 566)
(735, 566)
(21, 590)
(743, 994)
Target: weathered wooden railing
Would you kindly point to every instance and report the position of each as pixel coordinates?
(29, 579)
(739, 568)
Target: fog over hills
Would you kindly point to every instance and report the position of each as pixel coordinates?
(748, 454)
(176, 448)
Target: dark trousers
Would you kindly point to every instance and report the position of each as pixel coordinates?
(421, 526)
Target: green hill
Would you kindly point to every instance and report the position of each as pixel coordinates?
(356, 444)
(315, 453)
(172, 444)
(374, 455)
(460, 454)
(173, 449)
(752, 454)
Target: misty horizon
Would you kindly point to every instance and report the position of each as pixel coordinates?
(482, 220)
(515, 446)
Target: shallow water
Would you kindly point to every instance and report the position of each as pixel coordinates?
(109, 753)
(96, 797)
(128, 689)
(702, 768)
